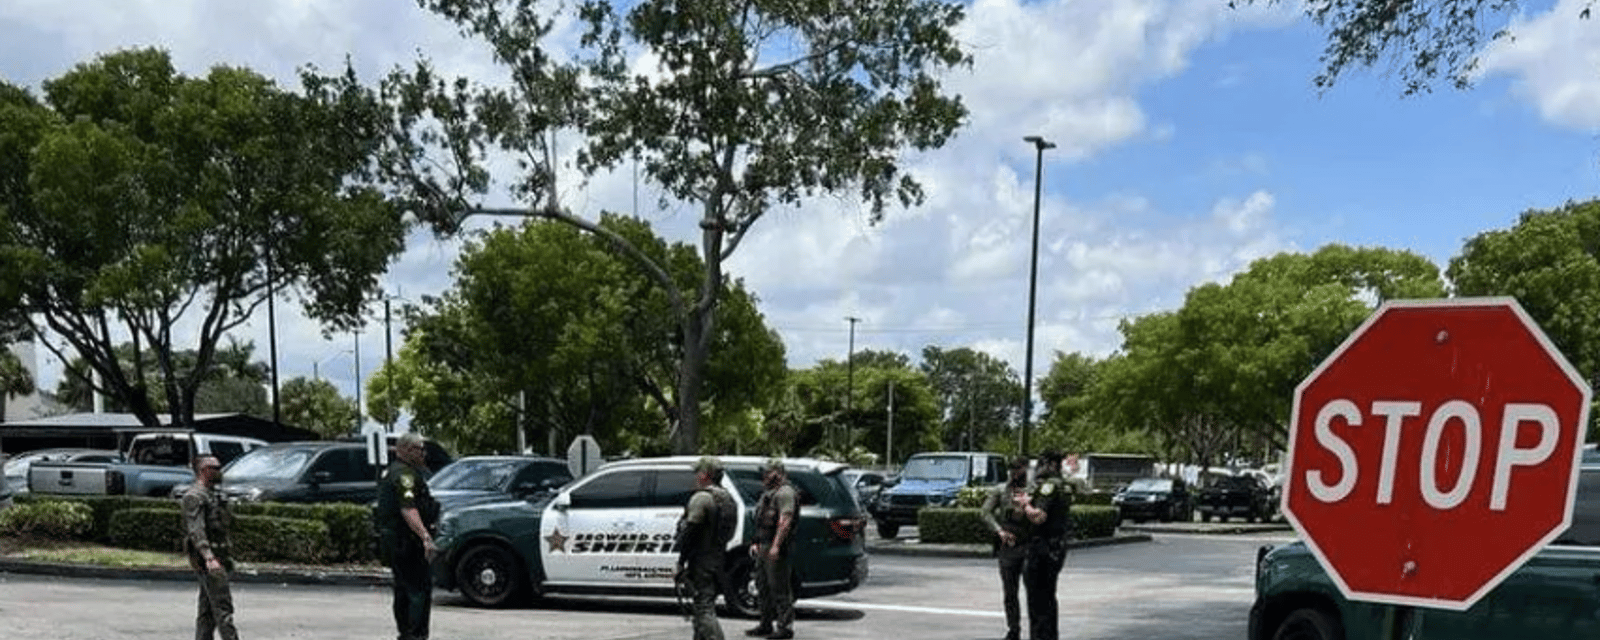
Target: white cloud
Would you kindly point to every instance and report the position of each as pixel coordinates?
(953, 272)
(1553, 59)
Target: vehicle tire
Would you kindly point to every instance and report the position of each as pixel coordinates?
(1250, 517)
(888, 531)
(1167, 516)
(489, 575)
(1222, 517)
(739, 591)
(1309, 624)
(1205, 516)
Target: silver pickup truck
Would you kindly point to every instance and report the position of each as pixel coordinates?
(155, 462)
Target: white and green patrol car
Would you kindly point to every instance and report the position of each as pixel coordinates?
(612, 532)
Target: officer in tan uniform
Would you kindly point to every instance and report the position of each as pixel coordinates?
(776, 516)
(206, 521)
(1003, 513)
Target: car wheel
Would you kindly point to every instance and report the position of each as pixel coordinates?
(489, 575)
(1309, 624)
(739, 590)
(1205, 516)
(888, 531)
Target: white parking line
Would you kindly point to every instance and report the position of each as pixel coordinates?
(835, 604)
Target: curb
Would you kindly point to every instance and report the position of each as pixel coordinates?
(186, 575)
(1209, 529)
(984, 550)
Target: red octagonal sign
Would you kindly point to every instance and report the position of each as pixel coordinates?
(1435, 451)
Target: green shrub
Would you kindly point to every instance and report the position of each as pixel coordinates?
(973, 495)
(265, 538)
(253, 538)
(147, 529)
(349, 526)
(102, 507)
(1093, 521)
(48, 519)
(1097, 498)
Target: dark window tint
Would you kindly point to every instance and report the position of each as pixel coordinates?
(171, 451)
(619, 489)
(1585, 529)
(748, 481)
(344, 465)
(997, 470)
(227, 451)
(672, 489)
(537, 473)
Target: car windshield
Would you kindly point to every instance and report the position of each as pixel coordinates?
(267, 464)
(1233, 482)
(936, 468)
(476, 475)
(1150, 484)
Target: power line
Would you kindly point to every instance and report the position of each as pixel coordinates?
(993, 326)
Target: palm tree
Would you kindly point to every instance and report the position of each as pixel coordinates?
(15, 379)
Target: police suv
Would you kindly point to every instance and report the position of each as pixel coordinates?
(612, 532)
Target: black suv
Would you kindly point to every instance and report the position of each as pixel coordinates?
(303, 472)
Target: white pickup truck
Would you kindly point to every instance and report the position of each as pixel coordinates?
(154, 463)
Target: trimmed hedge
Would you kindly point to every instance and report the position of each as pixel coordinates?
(48, 520)
(967, 526)
(1097, 498)
(347, 528)
(254, 538)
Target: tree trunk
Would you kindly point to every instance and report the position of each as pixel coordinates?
(686, 439)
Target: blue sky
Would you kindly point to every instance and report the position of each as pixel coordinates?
(1192, 142)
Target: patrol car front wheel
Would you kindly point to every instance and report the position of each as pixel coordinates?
(740, 593)
(489, 576)
(1309, 623)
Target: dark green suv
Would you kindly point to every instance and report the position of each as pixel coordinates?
(611, 532)
(1555, 595)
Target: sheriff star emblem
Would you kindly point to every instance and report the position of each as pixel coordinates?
(557, 541)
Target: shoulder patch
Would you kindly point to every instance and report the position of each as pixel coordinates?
(406, 481)
(1048, 488)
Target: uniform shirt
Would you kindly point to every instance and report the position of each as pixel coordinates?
(1051, 494)
(404, 486)
(781, 499)
(697, 532)
(206, 520)
(1000, 511)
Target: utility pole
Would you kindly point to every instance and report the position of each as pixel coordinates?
(360, 414)
(1039, 145)
(388, 368)
(850, 379)
(888, 454)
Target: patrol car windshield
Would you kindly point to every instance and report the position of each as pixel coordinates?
(476, 475)
(936, 468)
(267, 464)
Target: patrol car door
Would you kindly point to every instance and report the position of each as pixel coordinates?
(582, 527)
(655, 556)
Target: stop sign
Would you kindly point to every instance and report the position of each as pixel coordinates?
(1435, 451)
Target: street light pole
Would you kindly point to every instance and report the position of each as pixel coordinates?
(850, 378)
(1039, 145)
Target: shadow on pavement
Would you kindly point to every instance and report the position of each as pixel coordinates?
(646, 606)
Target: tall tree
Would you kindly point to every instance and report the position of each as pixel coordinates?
(553, 313)
(138, 200)
(15, 379)
(815, 418)
(1423, 40)
(317, 405)
(721, 120)
(1550, 262)
(234, 383)
(1219, 374)
(977, 393)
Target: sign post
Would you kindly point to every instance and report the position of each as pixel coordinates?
(583, 456)
(1434, 422)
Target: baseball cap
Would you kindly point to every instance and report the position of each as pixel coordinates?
(707, 463)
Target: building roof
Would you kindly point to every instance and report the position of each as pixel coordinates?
(90, 424)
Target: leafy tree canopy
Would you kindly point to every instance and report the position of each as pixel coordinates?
(317, 405)
(135, 200)
(235, 382)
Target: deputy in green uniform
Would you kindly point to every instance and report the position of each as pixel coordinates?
(776, 514)
(206, 520)
(1003, 512)
(406, 515)
(703, 533)
(1049, 509)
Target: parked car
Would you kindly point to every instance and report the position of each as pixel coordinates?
(478, 479)
(16, 467)
(933, 479)
(302, 472)
(154, 463)
(1551, 596)
(1236, 495)
(434, 455)
(1164, 499)
(864, 484)
(613, 532)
